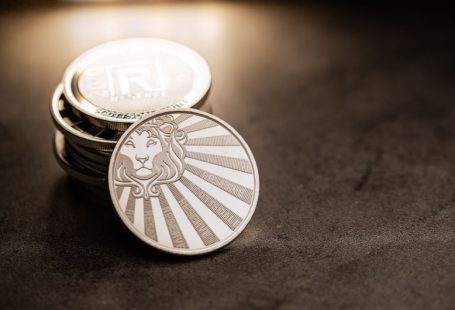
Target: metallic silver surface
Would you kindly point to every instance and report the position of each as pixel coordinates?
(98, 156)
(74, 169)
(183, 181)
(85, 162)
(79, 130)
(116, 83)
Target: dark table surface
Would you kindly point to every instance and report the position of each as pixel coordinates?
(350, 114)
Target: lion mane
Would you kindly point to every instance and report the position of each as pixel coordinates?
(167, 166)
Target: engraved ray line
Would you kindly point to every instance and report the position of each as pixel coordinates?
(123, 199)
(203, 124)
(130, 207)
(201, 227)
(178, 240)
(182, 117)
(231, 219)
(149, 220)
(214, 141)
(139, 215)
(241, 192)
(162, 233)
(224, 161)
(119, 191)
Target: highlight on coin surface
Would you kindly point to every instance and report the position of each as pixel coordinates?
(183, 181)
(116, 83)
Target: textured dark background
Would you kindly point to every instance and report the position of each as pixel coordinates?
(349, 111)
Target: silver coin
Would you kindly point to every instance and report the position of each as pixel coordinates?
(86, 162)
(98, 156)
(79, 130)
(116, 83)
(99, 152)
(183, 181)
(71, 167)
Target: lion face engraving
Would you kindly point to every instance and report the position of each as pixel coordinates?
(141, 148)
(151, 155)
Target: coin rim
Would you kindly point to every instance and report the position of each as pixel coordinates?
(78, 136)
(89, 154)
(156, 244)
(79, 102)
(70, 169)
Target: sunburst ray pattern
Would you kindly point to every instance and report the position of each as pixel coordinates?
(207, 200)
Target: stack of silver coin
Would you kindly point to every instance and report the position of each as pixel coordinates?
(110, 87)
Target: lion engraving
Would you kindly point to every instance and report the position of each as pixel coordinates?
(152, 155)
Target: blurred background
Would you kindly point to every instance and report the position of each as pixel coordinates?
(348, 109)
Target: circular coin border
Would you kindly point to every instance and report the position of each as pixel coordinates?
(155, 244)
(72, 134)
(81, 104)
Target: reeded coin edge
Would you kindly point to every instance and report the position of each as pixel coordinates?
(155, 244)
(78, 101)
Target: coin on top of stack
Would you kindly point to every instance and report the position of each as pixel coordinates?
(113, 85)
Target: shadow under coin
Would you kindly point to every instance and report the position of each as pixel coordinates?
(85, 233)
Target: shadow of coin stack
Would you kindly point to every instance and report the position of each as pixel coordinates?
(111, 86)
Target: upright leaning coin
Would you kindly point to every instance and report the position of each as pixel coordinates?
(183, 181)
(116, 83)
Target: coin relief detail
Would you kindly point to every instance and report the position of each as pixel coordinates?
(184, 182)
(119, 82)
